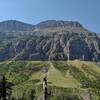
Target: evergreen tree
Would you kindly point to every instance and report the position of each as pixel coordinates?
(32, 95)
(5, 89)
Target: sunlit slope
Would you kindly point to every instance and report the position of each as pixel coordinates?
(28, 75)
(59, 73)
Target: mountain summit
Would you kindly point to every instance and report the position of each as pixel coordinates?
(13, 25)
(55, 23)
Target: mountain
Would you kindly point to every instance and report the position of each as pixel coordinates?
(48, 40)
(13, 25)
(63, 52)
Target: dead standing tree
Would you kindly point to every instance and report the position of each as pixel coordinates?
(45, 89)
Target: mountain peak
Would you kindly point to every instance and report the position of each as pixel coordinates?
(58, 23)
(14, 25)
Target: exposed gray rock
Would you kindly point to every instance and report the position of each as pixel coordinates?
(51, 44)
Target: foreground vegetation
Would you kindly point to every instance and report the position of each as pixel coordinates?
(67, 80)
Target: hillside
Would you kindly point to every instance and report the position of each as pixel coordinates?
(48, 40)
(72, 80)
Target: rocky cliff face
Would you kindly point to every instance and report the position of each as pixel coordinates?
(51, 40)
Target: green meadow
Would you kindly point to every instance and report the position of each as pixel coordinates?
(67, 80)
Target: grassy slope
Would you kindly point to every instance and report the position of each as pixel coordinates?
(29, 74)
(56, 78)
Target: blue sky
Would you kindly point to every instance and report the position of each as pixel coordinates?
(87, 12)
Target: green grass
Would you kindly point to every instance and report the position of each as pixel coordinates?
(68, 78)
(56, 77)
